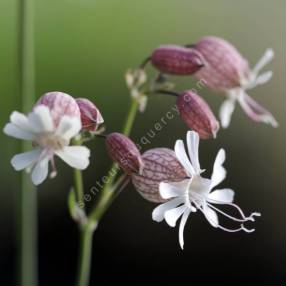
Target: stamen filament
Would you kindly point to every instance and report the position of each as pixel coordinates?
(242, 227)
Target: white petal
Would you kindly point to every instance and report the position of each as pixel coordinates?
(263, 78)
(171, 216)
(40, 119)
(24, 160)
(193, 141)
(226, 111)
(183, 158)
(75, 156)
(265, 59)
(255, 111)
(173, 189)
(222, 196)
(40, 171)
(182, 226)
(211, 216)
(16, 132)
(219, 172)
(159, 212)
(21, 121)
(68, 127)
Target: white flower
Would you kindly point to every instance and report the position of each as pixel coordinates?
(48, 139)
(196, 193)
(252, 108)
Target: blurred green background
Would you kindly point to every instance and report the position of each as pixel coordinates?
(84, 47)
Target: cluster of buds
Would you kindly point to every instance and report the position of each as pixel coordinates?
(223, 69)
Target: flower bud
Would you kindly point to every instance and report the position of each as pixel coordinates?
(90, 115)
(225, 68)
(160, 165)
(197, 115)
(177, 60)
(123, 151)
(60, 104)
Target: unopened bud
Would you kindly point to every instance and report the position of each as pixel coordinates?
(177, 60)
(90, 115)
(225, 68)
(197, 115)
(124, 152)
(60, 104)
(160, 165)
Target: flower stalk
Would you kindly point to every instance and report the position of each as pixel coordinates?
(78, 180)
(85, 251)
(106, 197)
(27, 238)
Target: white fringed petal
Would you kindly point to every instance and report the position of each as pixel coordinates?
(225, 112)
(159, 212)
(40, 119)
(40, 171)
(255, 111)
(219, 172)
(171, 216)
(171, 190)
(21, 121)
(193, 141)
(211, 216)
(75, 156)
(183, 158)
(182, 227)
(24, 160)
(16, 132)
(222, 196)
(68, 127)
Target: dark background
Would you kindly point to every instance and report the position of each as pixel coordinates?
(83, 48)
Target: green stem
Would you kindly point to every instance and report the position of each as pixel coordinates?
(130, 117)
(85, 250)
(78, 181)
(28, 195)
(106, 197)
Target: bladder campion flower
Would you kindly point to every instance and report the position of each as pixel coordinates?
(226, 71)
(50, 126)
(196, 193)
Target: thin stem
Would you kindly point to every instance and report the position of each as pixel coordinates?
(77, 175)
(168, 92)
(85, 250)
(130, 117)
(144, 63)
(78, 184)
(28, 195)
